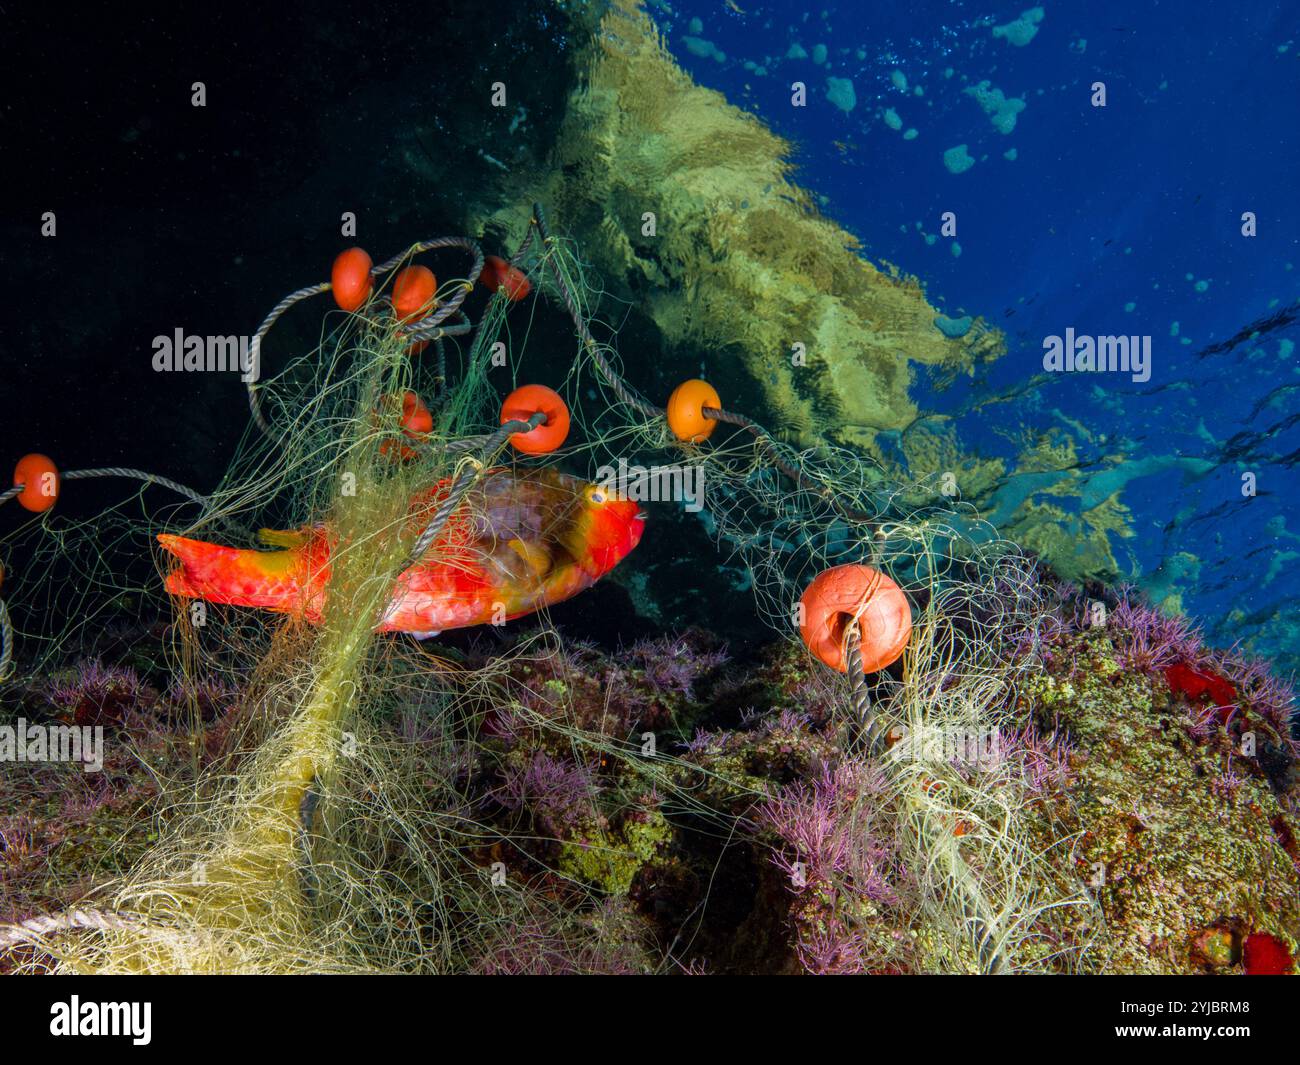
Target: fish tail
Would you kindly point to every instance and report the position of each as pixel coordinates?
(271, 580)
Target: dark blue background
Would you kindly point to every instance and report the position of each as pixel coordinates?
(1102, 207)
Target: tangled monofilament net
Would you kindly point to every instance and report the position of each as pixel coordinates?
(321, 841)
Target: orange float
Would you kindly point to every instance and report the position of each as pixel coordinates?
(413, 292)
(416, 423)
(350, 280)
(836, 597)
(41, 478)
(497, 274)
(526, 401)
(686, 410)
(416, 419)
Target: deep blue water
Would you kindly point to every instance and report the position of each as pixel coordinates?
(1123, 219)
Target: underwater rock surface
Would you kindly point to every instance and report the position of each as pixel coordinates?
(787, 857)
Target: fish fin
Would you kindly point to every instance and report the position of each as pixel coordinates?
(429, 635)
(232, 575)
(537, 558)
(286, 538)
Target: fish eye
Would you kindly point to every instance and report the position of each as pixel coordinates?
(596, 495)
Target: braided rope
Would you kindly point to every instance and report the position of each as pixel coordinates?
(37, 928)
(6, 642)
(440, 370)
(864, 721)
(116, 471)
(452, 306)
(139, 475)
(430, 329)
(254, 401)
(425, 329)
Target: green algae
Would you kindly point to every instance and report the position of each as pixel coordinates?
(1020, 31)
(840, 92)
(953, 328)
(1001, 109)
(610, 859)
(958, 160)
(641, 138)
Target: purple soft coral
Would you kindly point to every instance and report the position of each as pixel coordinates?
(1146, 639)
(605, 942)
(99, 695)
(833, 953)
(824, 824)
(558, 793)
(1044, 761)
(838, 860)
(675, 664)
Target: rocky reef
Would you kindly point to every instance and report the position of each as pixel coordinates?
(1181, 791)
(682, 811)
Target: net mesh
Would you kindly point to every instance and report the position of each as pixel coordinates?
(338, 825)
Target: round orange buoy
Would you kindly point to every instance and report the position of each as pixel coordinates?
(497, 274)
(413, 292)
(416, 422)
(416, 419)
(526, 401)
(837, 596)
(686, 410)
(41, 478)
(350, 279)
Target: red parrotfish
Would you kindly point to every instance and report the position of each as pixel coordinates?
(520, 541)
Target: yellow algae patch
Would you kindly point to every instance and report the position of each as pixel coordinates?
(684, 204)
(933, 450)
(1023, 499)
(1052, 450)
(1077, 550)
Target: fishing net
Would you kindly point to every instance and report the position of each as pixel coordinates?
(334, 822)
